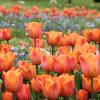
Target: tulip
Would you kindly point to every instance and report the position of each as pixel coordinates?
(35, 10)
(24, 93)
(15, 9)
(90, 65)
(39, 43)
(82, 95)
(67, 85)
(60, 65)
(91, 36)
(13, 80)
(7, 60)
(46, 11)
(71, 60)
(51, 88)
(4, 48)
(53, 38)
(72, 38)
(63, 50)
(5, 34)
(64, 40)
(86, 84)
(81, 41)
(35, 32)
(35, 55)
(28, 70)
(7, 95)
(35, 85)
(47, 62)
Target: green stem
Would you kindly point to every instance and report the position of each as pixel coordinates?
(14, 96)
(66, 98)
(36, 69)
(7, 41)
(34, 42)
(92, 92)
(98, 46)
(52, 50)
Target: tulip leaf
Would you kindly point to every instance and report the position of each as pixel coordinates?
(1, 81)
(78, 80)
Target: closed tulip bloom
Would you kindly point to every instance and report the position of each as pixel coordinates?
(4, 48)
(67, 85)
(90, 65)
(82, 95)
(35, 56)
(81, 41)
(72, 38)
(28, 70)
(5, 34)
(7, 95)
(47, 62)
(7, 60)
(71, 60)
(53, 37)
(64, 40)
(63, 50)
(13, 80)
(91, 36)
(35, 85)
(35, 10)
(24, 93)
(60, 65)
(34, 29)
(86, 84)
(51, 88)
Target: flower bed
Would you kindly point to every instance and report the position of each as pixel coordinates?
(61, 56)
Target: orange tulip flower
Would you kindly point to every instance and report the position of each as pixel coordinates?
(7, 60)
(7, 95)
(39, 43)
(64, 40)
(35, 55)
(81, 41)
(91, 36)
(53, 37)
(28, 70)
(46, 11)
(15, 9)
(35, 85)
(35, 10)
(82, 95)
(86, 83)
(51, 88)
(67, 85)
(13, 80)
(63, 50)
(34, 29)
(60, 65)
(47, 62)
(90, 65)
(4, 48)
(24, 93)
(72, 38)
(71, 60)
(5, 34)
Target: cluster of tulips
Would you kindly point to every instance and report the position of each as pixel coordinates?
(71, 12)
(70, 65)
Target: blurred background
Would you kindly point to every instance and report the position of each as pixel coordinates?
(61, 3)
